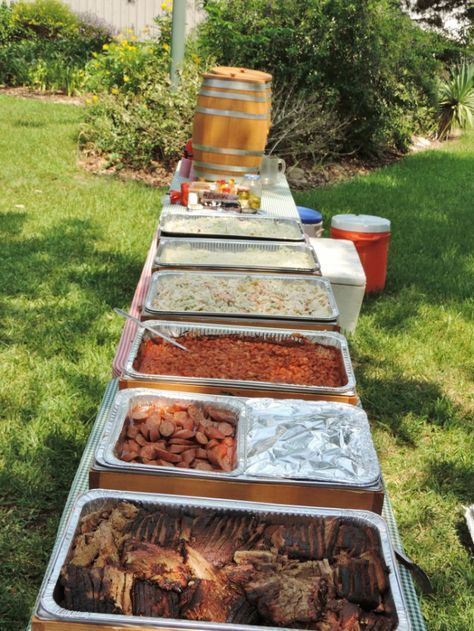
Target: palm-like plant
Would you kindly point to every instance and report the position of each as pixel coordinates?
(456, 101)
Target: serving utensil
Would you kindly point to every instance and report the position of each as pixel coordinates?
(146, 326)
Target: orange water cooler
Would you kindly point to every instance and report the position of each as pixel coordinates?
(371, 237)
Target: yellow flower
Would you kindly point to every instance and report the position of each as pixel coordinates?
(115, 90)
(133, 38)
(166, 47)
(126, 78)
(195, 58)
(95, 98)
(105, 47)
(88, 101)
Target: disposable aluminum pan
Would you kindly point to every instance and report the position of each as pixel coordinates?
(106, 452)
(300, 282)
(228, 220)
(246, 248)
(315, 442)
(49, 607)
(176, 329)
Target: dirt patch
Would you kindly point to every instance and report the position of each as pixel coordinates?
(158, 176)
(53, 97)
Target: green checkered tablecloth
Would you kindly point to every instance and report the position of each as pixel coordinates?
(81, 484)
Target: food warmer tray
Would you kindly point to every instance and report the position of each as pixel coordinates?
(132, 377)
(231, 245)
(149, 311)
(168, 216)
(340, 467)
(49, 608)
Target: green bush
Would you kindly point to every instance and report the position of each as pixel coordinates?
(152, 125)
(6, 27)
(52, 55)
(46, 19)
(456, 101)
(364, 58)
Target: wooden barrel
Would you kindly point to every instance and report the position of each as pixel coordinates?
(231, 122)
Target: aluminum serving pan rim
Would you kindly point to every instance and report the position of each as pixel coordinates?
(98, 499)
(105, 452)
(323, 283)
(175, 329)
(235, 245)
(169, 215)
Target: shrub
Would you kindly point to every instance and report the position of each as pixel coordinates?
(52, 56)
(362, 57)
(303, 127)
(46, 19)
(456, 101)
(152, 125)
(6, 26)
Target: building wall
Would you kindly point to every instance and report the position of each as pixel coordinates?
(131, 14)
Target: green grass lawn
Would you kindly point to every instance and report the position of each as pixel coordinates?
(72, 248)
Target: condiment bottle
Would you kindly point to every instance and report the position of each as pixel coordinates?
(255, 190)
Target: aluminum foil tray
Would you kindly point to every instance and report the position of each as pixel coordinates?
(49, 607)
(125, 399)
(316, 442)
(175, 329)
(301, 282)
(247, 248)
(312, 441)
(226, 227)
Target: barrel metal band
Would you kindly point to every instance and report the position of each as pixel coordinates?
(231, 113)
(230, 152)
(199, 166)
(235, 97)
(237, 85)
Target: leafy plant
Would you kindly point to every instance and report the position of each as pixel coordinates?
(47, 19)
(365, 59)
(151, 125)
(456, 101)
(303, 126)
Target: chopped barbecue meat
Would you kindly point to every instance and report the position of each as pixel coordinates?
(220, 535)
(356, 580)
(150, 600)
(163, 566)
(99, 590)
(327, 575)
(355, 540)
(375, 622)
(156, 527)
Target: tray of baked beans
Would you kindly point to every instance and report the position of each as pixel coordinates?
(266, 359)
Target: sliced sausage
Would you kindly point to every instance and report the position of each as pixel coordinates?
(167, 428)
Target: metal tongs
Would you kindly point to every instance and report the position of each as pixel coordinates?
(146, 326)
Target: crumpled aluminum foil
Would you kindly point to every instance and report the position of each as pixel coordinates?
(314, 440)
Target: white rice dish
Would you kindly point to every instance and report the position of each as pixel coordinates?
(265, 296)
(281, 257)
(232, 226)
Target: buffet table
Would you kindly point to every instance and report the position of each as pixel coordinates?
(80, 485)
(279, 205)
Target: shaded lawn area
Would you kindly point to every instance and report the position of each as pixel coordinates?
(73, 246)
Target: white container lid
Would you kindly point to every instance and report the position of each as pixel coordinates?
(339, 261)
(360, 223)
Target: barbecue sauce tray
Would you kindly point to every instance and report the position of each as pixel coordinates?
(325, 318)
(132, 377)
(287, 451)
(349, 533)
(177, 253)
(230, 225)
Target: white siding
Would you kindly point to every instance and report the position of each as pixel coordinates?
(133, 14)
